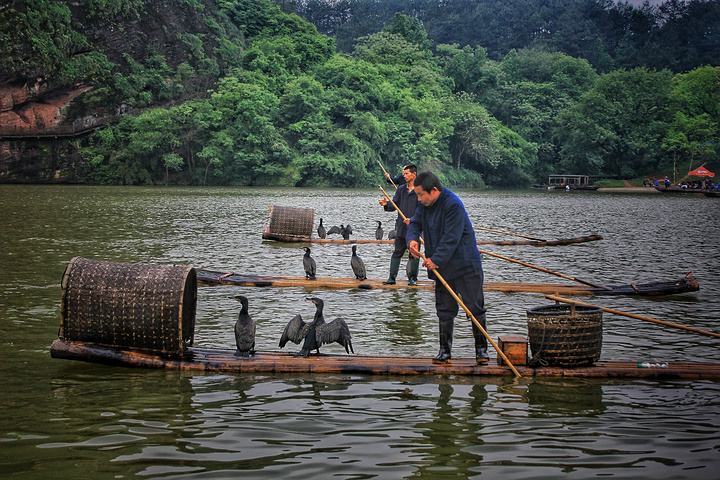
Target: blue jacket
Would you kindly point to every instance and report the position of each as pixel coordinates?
(449, 236)
(407, 202)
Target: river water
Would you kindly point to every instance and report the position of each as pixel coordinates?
(64, 419)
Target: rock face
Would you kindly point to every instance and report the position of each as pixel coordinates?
(28, 110)
(35, 108)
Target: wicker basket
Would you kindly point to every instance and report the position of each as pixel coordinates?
(129, 305)
(289, 223)
(564, 335)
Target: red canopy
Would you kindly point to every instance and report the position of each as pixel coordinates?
(701, 172)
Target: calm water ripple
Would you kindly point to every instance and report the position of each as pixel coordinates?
(71, 419)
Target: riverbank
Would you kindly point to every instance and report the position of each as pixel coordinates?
(650, 190)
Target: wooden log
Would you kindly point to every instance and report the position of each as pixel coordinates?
(224, 360)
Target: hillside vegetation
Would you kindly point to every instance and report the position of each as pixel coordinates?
(239, 92)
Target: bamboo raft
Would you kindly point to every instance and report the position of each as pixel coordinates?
(359, 241)
(683, 285)
(223, 360)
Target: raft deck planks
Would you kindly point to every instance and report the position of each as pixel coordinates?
(221, 360)
(507, 243)
(210, 277)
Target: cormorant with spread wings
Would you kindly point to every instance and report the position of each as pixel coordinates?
(316, 333)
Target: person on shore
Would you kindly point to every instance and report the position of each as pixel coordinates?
(406, 201)
(450, 247)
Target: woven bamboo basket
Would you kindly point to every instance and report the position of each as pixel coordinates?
(564, 335)
(129, 305)
(289, 224)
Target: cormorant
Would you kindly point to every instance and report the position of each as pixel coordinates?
(321, 230)
(346, 231)
(379, 231)
(244, 330)
(316, 333)
(357, 265)
(309, 265)
(391, 234)
(334, 230)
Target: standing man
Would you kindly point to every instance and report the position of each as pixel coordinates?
(451, 247)
(406, 201)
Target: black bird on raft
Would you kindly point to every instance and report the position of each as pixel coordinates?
(379, 231)
(346, 231)
(309, 265)
(321, 230)
(335, 230)
(391, 234)
(244, 330)
(357, 265)
(316, 333)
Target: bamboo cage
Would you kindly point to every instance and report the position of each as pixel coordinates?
(129, 305)
(289, 224)
(565, 335)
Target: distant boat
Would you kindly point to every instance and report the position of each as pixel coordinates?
(576, 182)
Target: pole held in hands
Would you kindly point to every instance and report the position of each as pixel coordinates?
(386, 173)
(459, 300)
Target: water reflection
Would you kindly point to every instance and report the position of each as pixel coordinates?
(451, 429)
(552, 396)
(403, 319)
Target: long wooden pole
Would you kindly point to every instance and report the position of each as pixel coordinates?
(509, 232)
(512, 260)
(542, 269)
(386, 173)
(460, 302)
(680, 326)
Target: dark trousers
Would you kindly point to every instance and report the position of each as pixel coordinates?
(470, 289)
(400, 247)
(413, 263)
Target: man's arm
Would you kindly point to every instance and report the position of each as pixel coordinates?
(415, 226)
(399, 180)
(453, 227)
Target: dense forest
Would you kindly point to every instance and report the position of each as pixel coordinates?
(677, 35)
(246, 92)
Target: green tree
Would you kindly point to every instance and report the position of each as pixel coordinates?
(618, 126)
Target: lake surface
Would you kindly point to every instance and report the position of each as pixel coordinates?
(64, 419)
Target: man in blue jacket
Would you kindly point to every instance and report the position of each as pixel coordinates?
(450, 247)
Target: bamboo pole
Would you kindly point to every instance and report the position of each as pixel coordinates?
(509, 232)
(389, 177)
(460, 302)
(512, 260)
(680, 326)
(543, 269)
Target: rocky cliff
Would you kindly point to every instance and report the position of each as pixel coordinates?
(71, 66)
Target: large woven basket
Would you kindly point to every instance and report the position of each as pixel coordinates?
(289, 223)
(564, 335)
(129, 305)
